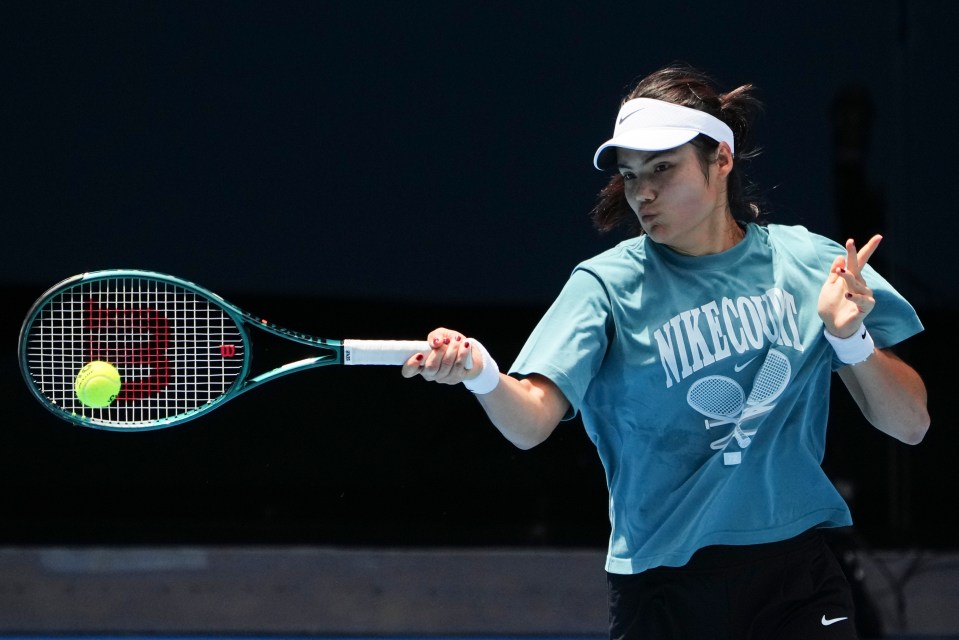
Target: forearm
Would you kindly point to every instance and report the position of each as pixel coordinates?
(525, 411)
(890, 394)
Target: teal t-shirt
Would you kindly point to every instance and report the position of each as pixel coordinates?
(704, 384)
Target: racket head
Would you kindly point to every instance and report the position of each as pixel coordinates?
(180, 349)
(718, 397)
(771, 379)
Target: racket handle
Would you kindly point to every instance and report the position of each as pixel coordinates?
(743, 440)
(748, 414)
(386, 352)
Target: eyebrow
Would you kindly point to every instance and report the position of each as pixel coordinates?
(649, 158)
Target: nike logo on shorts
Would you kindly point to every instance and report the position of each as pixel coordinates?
(828, 621)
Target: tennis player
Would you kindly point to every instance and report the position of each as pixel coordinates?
(699, 354)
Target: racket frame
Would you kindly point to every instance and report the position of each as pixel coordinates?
(336, 351)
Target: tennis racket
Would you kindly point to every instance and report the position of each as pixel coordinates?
(768, 385)
(180, 349)
(720, 398)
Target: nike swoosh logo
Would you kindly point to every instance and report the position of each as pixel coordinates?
(740, 367)
(863, 336)
(630, 114)
(826, 621)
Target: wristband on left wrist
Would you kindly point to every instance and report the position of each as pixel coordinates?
(854, 349)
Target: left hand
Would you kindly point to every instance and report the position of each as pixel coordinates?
(845, 299)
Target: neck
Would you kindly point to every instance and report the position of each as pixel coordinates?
(727, 236)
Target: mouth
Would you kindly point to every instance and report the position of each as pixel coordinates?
(646, 217)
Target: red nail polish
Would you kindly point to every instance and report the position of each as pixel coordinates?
(848, 295)
(446, 340)
(466, 344)
(458, 338)
(419, 357)
(841, 270)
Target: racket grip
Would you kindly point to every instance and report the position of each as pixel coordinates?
(384, 352)
(748, 414)
(743, 440)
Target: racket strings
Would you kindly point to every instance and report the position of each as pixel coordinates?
(771, 379)
(716, 396)
(175, 350)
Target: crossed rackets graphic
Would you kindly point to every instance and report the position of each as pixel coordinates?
(723, 401)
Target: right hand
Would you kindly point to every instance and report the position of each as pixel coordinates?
(447, 360)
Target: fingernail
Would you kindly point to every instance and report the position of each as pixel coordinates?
(458, 338)
(419, 357)
(446, 340)
(436, 340)
(466, 344)
(841, 270)
(848, 295)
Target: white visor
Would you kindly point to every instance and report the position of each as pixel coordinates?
(645, 124)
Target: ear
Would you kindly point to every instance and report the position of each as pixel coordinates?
(724, 160)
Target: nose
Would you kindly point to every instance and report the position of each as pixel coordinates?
(640, 191)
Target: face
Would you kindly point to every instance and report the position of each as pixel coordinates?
(679, 202)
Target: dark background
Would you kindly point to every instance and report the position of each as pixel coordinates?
(376, 169)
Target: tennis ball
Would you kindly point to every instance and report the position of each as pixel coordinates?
(97, 384)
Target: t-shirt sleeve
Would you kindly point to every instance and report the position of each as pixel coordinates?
(569, 343)
(893, 319)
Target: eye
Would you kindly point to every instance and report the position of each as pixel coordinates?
(662, 166)
(628, 175)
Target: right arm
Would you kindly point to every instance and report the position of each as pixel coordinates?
(525, 411)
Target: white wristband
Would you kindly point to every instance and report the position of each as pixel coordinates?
(854, 349)
(488, 378)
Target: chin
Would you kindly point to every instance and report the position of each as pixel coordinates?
(656, 232)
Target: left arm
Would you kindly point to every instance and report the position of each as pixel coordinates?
(889, 392)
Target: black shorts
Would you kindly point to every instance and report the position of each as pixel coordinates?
(777, 591)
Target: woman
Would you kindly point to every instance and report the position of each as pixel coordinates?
(699, 354)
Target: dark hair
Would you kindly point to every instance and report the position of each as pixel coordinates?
(684, 85)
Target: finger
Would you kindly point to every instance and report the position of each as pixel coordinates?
(432, 363)
(413, 366)
(439, 337)
(452, 367)
(855, 285)
(864, 302)
(448, 364)
(448, 360)
(462, 355)
(857, 259)
(866, 252)
(837, 265)
(852, 256)
(439, 341)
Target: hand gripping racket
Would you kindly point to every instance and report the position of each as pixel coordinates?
(181, 350)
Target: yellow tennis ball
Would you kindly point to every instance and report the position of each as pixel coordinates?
(97, 384)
